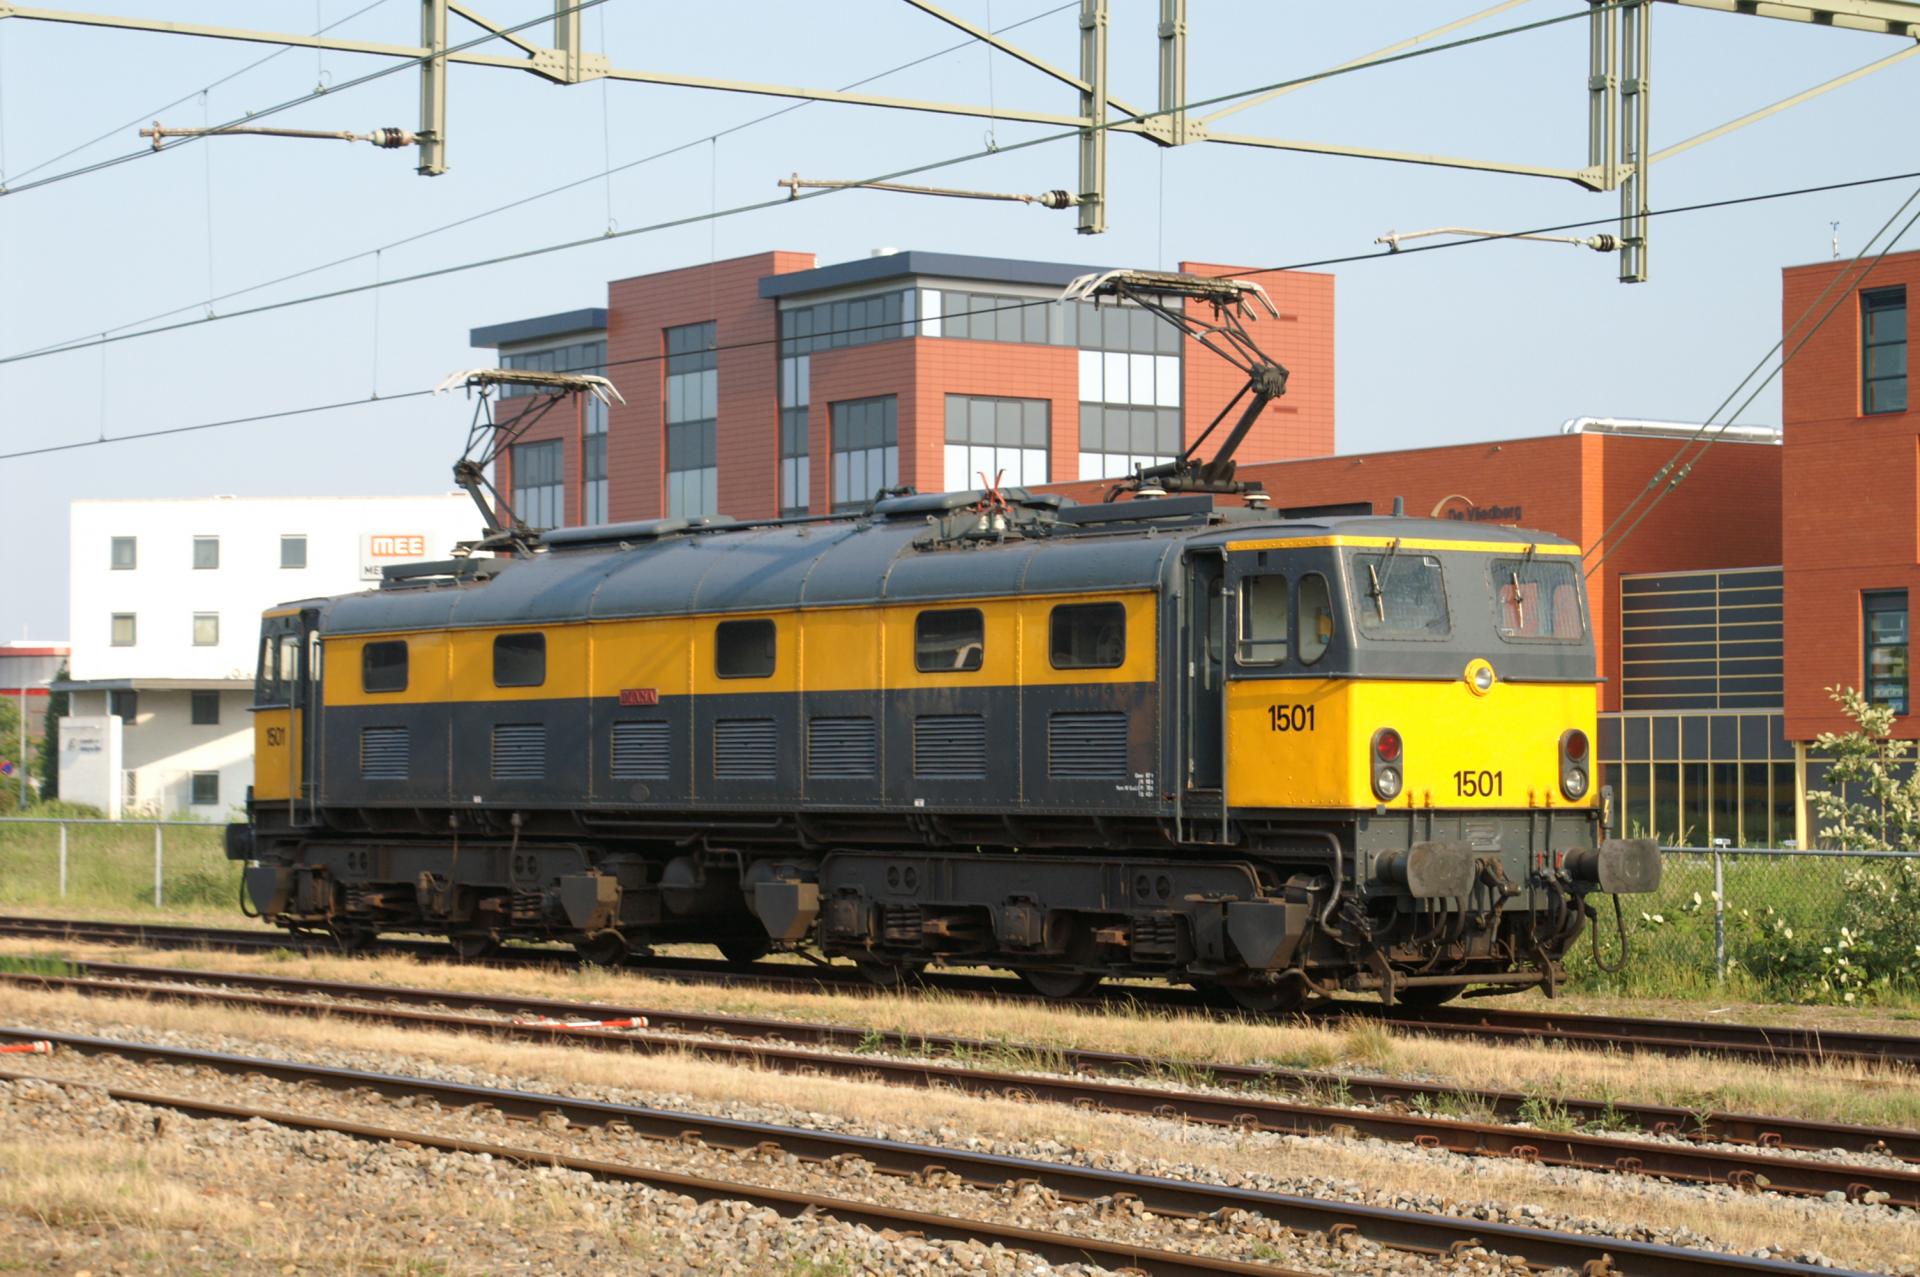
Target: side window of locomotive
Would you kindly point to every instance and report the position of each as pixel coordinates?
(1088, 636)
(1264, 619)
(1314, 618)
(519, 660)
(267, 687)
(1537, 600)
(383, 667)
(945, 642)
(1402, 595)
(743, 649)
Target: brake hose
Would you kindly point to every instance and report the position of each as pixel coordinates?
(1620, 924)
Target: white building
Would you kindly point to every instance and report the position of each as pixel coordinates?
(166, 597)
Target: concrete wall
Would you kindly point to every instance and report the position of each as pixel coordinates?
(161, 748)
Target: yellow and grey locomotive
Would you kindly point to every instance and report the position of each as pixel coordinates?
(1273, 754)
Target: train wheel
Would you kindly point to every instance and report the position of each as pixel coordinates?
(607, 949)
(353, 938)
(1426, 997)
(472, 948)
(742, 952)
(888, 975)
(1268, 999)
(1060, 984)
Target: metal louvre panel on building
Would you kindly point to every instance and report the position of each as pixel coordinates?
(383, 753)
(744, 749)
(642, 750)
(1087, 746)
(1701, 640)
(519, 751)
(842, 749)
(950, 747)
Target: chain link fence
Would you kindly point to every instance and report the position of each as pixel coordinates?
(1804, 924)
(115, 864)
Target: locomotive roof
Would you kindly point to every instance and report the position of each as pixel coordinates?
(833, 563)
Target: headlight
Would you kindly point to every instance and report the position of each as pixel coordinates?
(1386, 783)
(1574, 783)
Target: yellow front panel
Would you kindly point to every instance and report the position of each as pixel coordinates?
(276, 751)
(1306, 742)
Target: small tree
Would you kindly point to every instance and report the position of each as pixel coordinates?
(1872, 805)
(10, 749)
(50, 741)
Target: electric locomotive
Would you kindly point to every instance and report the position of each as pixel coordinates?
(1270, 753)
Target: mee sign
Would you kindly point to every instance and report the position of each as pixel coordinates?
(377, 549)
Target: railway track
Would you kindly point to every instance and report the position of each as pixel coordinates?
(1254, 1106)
(1583, 1031)
(1407, 1230)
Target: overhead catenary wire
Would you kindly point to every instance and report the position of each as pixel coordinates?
(520, 202)
(864, 328)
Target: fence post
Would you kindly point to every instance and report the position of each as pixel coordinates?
(159, 859)
(63, 860)
(1719, 917)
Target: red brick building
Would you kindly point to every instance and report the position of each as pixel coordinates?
(768, 385)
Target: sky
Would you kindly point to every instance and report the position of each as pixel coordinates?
(1490, 341)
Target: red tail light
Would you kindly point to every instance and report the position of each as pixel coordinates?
(1576, 745)
(1387, 744)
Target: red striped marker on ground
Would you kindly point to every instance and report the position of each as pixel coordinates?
(636, 1022)
(27, 1048)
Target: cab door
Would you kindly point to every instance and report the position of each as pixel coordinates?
(1204, 659)
(284, 693)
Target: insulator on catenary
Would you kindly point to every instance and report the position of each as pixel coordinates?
(391, 138)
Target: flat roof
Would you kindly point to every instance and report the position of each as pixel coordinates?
(151, 685)
(868, 270)
(565, 323)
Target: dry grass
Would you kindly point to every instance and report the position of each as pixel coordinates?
(1881, 1241)
(1844, 1092)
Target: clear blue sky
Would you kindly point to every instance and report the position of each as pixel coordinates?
(1476, 343)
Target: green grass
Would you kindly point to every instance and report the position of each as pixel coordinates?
(111, 867)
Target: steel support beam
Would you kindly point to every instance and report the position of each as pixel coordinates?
(433, 89)
(1603, 95)
(566, 37)
(1173, 69)
(1636, 160)
(1885, 17)
(1093, 109)
(1858, 73)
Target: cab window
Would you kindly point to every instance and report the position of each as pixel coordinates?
(743, 649)
(1088, 636)
(1400, 595)
(519, 660)
(383, 666)
(951, 640)
(268, 688)
(1314, 618)
(1263, 621)
(1537, 600)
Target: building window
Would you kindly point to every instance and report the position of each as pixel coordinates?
(124, 705)
(1130, 379)
(206, 709)
(206, 629)
(1883, 354)
(539, 483)
(123, 629)
(1886, 631)
(206, 789)
(519, 660)
(126, 553)
(866, 450)
(206, 553)
(293, 550)
(383, 667)
(594, 464)
(848, 321)
(796, 392)
(989, 437)
(575, 357)
(954, 640)
(743, 649)
(693, 410)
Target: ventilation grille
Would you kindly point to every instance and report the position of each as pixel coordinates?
(842, 749)
(642, 750)
(383, 753)
(1087, 746)
(519, 751)
(950, 747)
(744, 749)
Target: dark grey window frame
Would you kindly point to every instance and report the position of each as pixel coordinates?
(205, 542)
(212, 795)
(1872, 601)
(133, 553)
(1882, 302)
(532, 656)
(977, 640)
(1070, 612)
(731, 648)
(1366, 619)
(198, 714)
(288, 541)
(368, 682)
